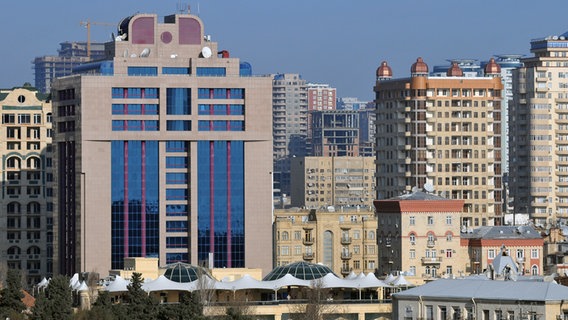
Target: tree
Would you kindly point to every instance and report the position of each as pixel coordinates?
(316, 305)
(188, 308)
(140, 305)
(56, 303)
(102, 308)
(11, 305)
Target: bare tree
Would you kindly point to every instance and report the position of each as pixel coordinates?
(316, 297)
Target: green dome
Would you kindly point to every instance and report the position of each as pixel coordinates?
(301, 270)
(183, 272)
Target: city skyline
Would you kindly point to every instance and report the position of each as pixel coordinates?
(314, 39)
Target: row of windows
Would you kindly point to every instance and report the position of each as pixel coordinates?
(23, 118)
(153, 93)
(135, 125)
(135, 109)
(200, 71)
(221, 125)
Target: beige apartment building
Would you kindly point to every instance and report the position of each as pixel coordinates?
(164, 150)
(26, 203)
(539, 133)
(419, 234)
(442, 133)
(345, 241)
(319, 182)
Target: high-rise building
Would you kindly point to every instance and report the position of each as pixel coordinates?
(334, 133)
(163, 150)
(290, 125)
(26, 204)
(443, 134)
(538, 123)
(333, 181)
(70, 55)
(321, 97)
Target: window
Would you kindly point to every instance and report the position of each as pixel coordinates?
(448, 220)
(285, 236)
(412, 254)
(285, 251)
(178, 125)
(534, 270)
(371, 264)
(142, 71)
(175, 70)
(356, 234)
(430, 220)
(491, 254)
(297, 235)
(211, 72)
(534, 254)
(371, 235)
(448, 236)
(412, 238)
(449, 253)
(520, 253)
(412, 270)
(178, 101)
(412, 220)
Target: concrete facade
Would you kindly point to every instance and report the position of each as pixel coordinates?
(344, 241)
(151, 151)
(332, 181)
(444, 132)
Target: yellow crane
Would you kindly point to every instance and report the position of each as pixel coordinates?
(88, 25)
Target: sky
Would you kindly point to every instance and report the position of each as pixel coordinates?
(340, 43)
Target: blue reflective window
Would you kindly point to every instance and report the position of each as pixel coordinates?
(135, 93)
(204, 125)
(178, 125)
(176, 242)
(176, 194)
(176, 210)
(176, 146)
(203, 93)
(142, 71)
(176, 162)
(178, 101)
(237, 93)
(176, 257)
(135, 200)
(237, 110)
(203, 109)
(151, 125)
(217, 192)
(176, 226)
(211, 72)
(219, 125)
(236, 126)
(176, 178)
(175, 70)
(219, 109)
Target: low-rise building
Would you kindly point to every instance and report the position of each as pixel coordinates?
(345, 241)
(524, 244)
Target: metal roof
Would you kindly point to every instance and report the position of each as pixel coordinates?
(487, 289)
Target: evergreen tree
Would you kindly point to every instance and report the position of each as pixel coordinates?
(102, 308)
(140, 305)
(57, 301)
(11, 295)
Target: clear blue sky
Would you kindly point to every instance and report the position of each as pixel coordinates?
(336, 42)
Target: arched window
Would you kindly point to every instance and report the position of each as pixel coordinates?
(328, 249)
(13, 207)
(33, 208)
(412, 238)
(13, 163)
(14, 250)
(33, 250)
(371, 235)
(285, 235)
(431, 237)
(534, 270)
(33, 163)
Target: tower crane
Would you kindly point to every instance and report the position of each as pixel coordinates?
(88, 25)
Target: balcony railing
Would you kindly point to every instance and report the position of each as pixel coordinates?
(308, 241)
(308, 256)
(346, 255)
(346, 240)
(430, 260)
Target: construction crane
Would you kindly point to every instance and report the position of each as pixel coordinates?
(88, 25)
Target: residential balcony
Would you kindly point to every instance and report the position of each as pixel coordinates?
(308, 241)
(309, 256)
(431, 243)
(430, 260)
(346, 240)
(345, 271)
(346, 255)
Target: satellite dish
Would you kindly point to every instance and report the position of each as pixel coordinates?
(145, 53)
(428, 187)
(414, 189)
(206, 52)
(133, 55)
